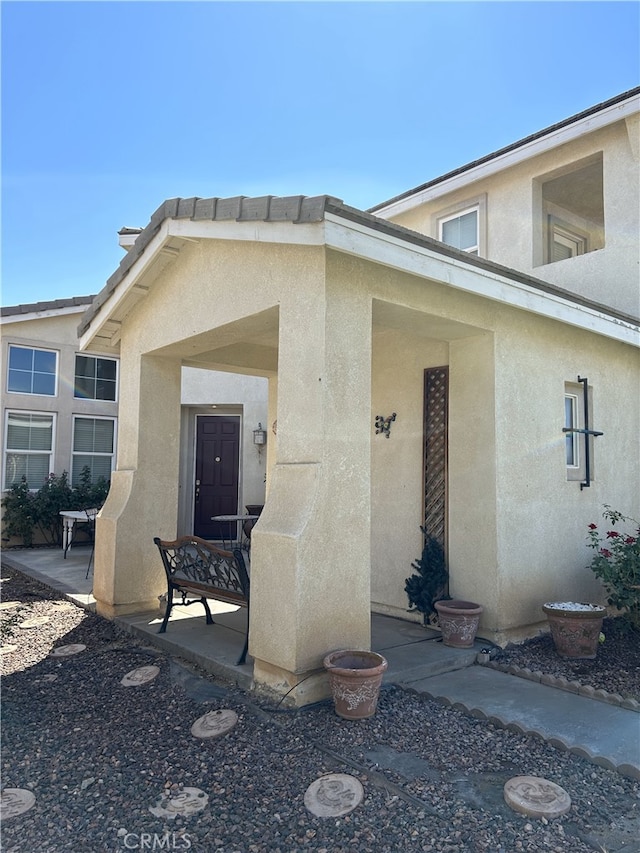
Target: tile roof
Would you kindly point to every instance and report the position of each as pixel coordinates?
(52, 305)
(301, 209)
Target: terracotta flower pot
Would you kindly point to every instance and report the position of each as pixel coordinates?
(575, 628)
(355, 678)
(459, 622)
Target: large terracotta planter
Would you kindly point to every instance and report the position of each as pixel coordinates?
(575, 628)
(459, 622)
(355, 678)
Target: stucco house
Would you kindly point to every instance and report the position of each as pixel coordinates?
(426, 360)
(60, 412)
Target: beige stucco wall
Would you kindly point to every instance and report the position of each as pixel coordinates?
(543, 517)
(398, 364)
(516, 525)
(609, 275)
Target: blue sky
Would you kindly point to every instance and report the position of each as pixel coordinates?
(108, 108)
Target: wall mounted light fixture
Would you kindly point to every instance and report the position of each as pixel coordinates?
(259, 435)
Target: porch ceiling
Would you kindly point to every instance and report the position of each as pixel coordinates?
(249, 345)
(392, 316)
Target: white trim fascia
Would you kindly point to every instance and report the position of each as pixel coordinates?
(388, 250)
(299, 233)
(43, 315)
(527, 151)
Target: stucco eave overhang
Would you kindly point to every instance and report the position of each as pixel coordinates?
(461, 271)
(329, 222)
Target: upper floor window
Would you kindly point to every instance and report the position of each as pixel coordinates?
(572, 211)
(93, 447)
(28, 448)
(32, 371)
(461, 231)
(95, 378)
(463, 225)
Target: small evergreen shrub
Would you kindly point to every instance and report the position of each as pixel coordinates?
(430, 582)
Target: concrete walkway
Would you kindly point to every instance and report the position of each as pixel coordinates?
(600, 732)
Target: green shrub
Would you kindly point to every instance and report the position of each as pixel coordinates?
(26, 512)
(19, 517)
(617, 563)
(430, 582)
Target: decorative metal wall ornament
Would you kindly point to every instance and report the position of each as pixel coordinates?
(587, 432)
(383, 425)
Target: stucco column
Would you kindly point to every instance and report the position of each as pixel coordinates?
(142, 501)
(310, 568)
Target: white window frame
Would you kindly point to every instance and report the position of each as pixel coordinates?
(571, 421)
(559, 232)
(473, 249)
(95, 358)
(75, 453)
(577, 470)
(455, 211)
(33, 349)
(21, 452)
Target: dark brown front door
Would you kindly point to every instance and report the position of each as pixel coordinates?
(217, 466)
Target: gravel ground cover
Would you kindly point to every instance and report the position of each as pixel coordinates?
(98, 755)
(615, 669)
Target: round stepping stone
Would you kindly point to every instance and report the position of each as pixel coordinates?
(333, 795)
(9, 605)
(141, 675)
(34, 622)
(536, 797)
(9, 647)
(15, 801)
(67, 651)
(61, 605)
(214, 723)
(185, 802)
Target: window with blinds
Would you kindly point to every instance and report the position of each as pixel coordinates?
(93, 447)
(29, 448)
(565, 243)
(461, 231)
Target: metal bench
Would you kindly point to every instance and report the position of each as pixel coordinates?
(196, 568)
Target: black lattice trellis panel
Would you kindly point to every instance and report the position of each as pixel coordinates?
(436, 393)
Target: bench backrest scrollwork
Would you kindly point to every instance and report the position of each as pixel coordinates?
(192, 560)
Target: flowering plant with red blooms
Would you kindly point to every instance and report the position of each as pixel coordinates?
(616, 562)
